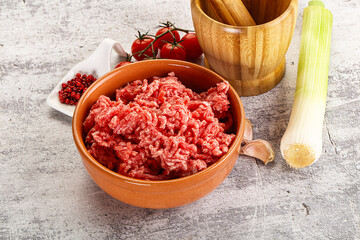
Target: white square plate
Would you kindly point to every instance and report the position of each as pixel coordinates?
(97, 64)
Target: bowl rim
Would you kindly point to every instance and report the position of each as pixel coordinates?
(79, 142)
(270, 23)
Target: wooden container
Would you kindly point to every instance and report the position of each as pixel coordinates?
(251, 58)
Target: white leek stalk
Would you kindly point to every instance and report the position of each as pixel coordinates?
(301, 144)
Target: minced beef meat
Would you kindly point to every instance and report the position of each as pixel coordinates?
(158, 129)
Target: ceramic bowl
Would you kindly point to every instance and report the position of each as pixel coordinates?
(251, 58)
(167, 193)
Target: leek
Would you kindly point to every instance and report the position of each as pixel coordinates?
(301, 144)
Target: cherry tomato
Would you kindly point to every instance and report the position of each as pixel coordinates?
(120, 64)
(167, 37)
(191, 44)
(140, 44)
(173, 51)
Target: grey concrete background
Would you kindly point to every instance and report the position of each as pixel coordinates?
(45, 192)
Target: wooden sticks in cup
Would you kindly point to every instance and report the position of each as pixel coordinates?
(232, 12)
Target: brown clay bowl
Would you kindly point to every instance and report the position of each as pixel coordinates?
(167, 193)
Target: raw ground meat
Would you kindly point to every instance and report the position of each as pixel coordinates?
(158, 129)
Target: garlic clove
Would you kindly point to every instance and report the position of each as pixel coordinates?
(248, 133)
(260, 149)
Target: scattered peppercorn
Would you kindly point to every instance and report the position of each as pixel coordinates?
(74, 88)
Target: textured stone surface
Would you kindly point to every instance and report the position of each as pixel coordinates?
(45, 192)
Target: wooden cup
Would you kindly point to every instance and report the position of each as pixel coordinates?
(251, 58)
